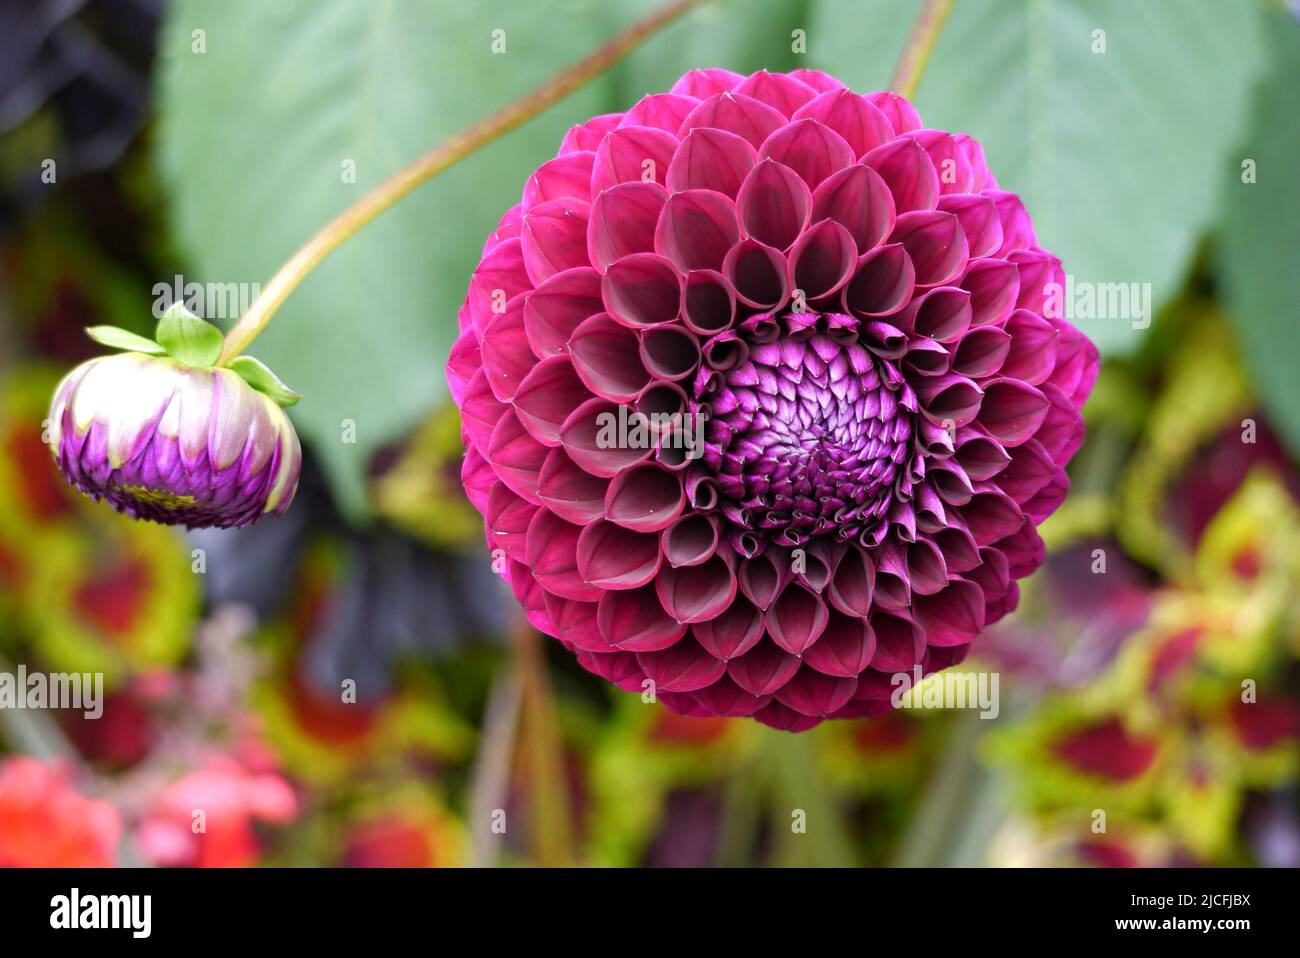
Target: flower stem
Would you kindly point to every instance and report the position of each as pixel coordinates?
(916, 54)
(446, 154)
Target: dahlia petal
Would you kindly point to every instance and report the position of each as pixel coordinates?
(564, 177)
(812, 149)
(958, 547)
(758, 274)
(643, 289)
(1049, 498)
(785, 719)
(568, 491)
(614, 558)
(632, 154)
(822, 260)
(819, 81)
(663, 111)
(906, 169)
(590, 437)
(724, 697)
(605, 357)
(615, 667)
(690, 540)
(546, 396)
(949, 160)
(773, 204)
(779, 90)
(845, 649)
(711, 160)
(899, 642)
(796, 619)
(635, 622)
(810, 693)
(551, 555)
(507, 517)
(981, 352)
(507, 357)
(683, 667)
(555, 309)
(992, 515)
(853, 585)
(708, 302)
(477, 477)
(858, 199)
(975, 157)
(981, 456)
(576, 622)
(862, 125)
(994, 287)
(882, 281)
(1022, 552)
(1017, 228)
(696, 229)
(979, 221)
(927, 572)
(706, 83)
(644, 499)
(942, 314)
(761, 579)
(516, 456)
(925, 357)
(622, 222)
(901, 114)
(554, 238)
(732, 633)
(735, 113)
(698, 593)
(670, 352)
(763, 669)
(952, 616)
(1012, 410)
(950, 399)
(587, 136)
(463, 362)
(499, 278)
(1030, 469)
(936, 245)
(1039, 270)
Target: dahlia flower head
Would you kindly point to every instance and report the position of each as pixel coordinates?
(762, 399)
(162, 433)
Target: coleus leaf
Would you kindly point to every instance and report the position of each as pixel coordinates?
(258, 375)
(117, 338)
(187, 338)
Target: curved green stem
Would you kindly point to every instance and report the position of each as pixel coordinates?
(461, 145)
(920, 44)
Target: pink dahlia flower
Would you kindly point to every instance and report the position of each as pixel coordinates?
(762, 404)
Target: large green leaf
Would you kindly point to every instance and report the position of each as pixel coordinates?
(1122, 157)
(1261, 238)
(253, 138)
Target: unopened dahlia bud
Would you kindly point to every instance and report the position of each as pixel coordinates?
(764, 398)
(160, 433)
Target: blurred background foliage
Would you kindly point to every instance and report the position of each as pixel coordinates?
(347, 685)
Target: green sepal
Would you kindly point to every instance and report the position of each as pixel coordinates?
(117, 338)
(258, 375)
(187, 338)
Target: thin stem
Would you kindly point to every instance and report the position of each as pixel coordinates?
(446, 154)
(920, 44)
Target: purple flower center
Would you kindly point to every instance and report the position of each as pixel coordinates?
(804, 435)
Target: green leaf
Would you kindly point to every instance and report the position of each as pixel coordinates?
(187, 338)
(1121, 157)
(118, 338)
(259, 138)
(258, 375)
(1261, 237)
